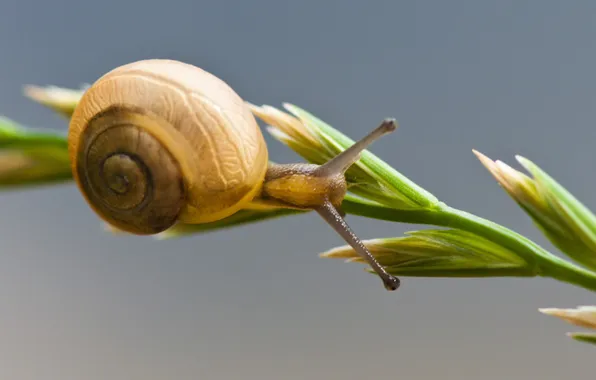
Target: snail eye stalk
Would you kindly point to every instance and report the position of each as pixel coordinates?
(340, 163)
(334, 216)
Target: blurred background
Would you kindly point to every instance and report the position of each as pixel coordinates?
(503, 77)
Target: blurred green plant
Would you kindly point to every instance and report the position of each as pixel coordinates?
(470, 247)
(31, 157)
(583, 316)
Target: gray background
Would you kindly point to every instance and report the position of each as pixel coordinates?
(504, 77)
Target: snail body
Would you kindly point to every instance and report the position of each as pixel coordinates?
(157, 142)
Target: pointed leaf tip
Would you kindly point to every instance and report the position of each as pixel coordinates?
(439, 253)
(583, 337)
(583, 316)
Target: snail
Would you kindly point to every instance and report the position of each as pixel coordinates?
(156, 142)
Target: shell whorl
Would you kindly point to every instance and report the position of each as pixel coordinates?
(156, 127)
(129, 176)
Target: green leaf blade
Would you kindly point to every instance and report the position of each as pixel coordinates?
(240, 218)
(440, 253)
(405, 191)
(32, 158)
(584, 337)
(573, 215)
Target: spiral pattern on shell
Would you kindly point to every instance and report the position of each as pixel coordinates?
(157, 141)
(128, 175)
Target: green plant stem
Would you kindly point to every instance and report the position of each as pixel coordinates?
(544, 263)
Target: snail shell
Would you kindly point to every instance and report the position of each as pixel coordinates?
(157, 141)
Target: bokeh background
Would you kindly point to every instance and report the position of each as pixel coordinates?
(503, 77)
